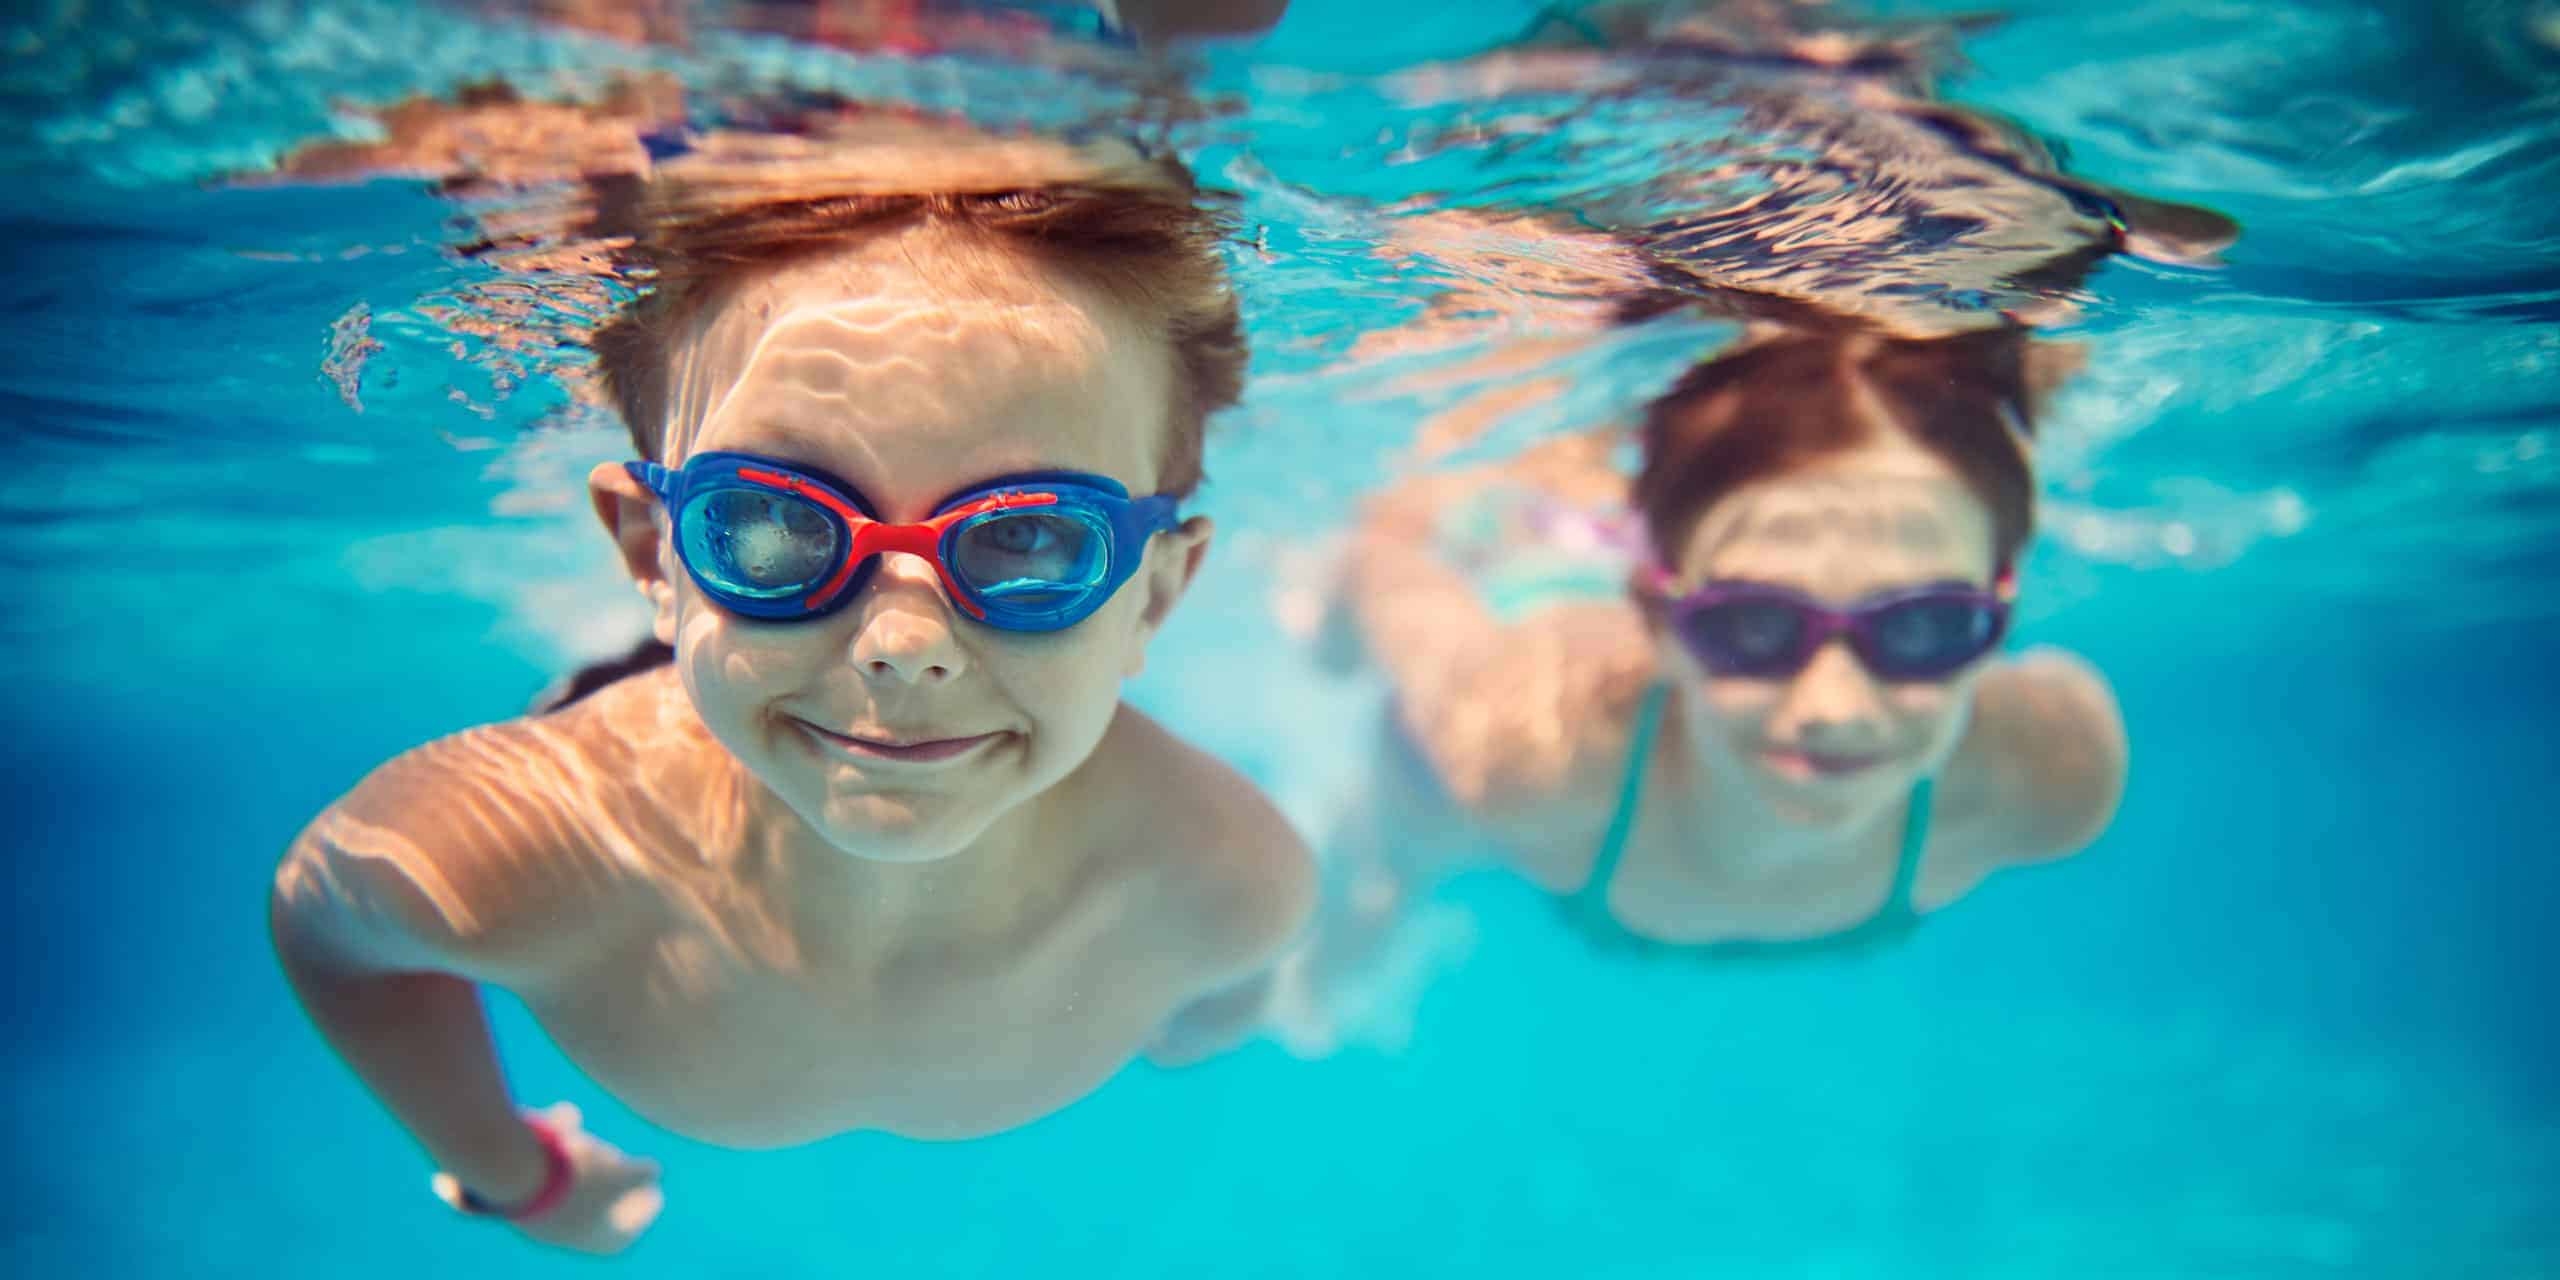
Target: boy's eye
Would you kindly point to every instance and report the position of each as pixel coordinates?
(1026, 549)
(1020, 537)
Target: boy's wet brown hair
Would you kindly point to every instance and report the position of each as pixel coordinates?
(1134, 227)
(1783, 402)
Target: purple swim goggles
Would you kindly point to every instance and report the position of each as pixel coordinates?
(1756, 630)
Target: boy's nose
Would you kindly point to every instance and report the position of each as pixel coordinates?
(905, 634)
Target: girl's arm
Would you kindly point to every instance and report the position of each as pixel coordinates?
(1507, 713)
(1509, 718)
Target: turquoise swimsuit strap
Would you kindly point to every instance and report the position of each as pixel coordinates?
(1915, 838)
(1622, 821)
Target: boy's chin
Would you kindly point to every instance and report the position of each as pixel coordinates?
(879, 828)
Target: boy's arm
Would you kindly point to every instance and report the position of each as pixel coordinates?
(1251, 884)
(1242, 891)
(386, 914)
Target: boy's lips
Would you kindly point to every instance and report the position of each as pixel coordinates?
(908, 748)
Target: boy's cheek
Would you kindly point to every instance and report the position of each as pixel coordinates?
(727, 661)
(1075, 683)
(1062, 671)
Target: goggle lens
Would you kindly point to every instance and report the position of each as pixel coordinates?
(1748, 637)
(1929, 637)
(758, 543)
(1035, 558)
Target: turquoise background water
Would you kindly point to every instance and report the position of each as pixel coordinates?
(2290, 1017)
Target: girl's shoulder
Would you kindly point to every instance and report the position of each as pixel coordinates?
(2045, 758)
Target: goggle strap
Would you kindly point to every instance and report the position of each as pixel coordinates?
(1149, 516)
(653, 477)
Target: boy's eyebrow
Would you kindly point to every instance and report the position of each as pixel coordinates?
(793, 459)
(1009, 475)
(789, 435)
(1018, 475)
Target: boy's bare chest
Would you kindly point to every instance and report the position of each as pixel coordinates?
(751, 1043)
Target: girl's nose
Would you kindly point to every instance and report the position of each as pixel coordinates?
(1832, 704)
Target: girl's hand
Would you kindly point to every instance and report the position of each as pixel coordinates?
(612, 1197)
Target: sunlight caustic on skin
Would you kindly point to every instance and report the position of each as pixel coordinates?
(632, 793)
(877, 358)
(866, 338)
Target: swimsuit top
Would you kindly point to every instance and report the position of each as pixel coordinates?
(1590, 908)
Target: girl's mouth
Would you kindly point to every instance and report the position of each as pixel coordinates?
(1795, 762)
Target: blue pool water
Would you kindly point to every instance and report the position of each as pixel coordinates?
(2291, 1017)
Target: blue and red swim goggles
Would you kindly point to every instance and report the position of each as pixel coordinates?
(782, 541)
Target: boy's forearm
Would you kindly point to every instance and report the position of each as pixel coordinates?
(420, 1042)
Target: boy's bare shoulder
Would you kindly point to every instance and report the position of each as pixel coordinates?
(1230, 863)
(475, 853)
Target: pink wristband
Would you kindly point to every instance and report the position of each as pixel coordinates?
(556, 1176)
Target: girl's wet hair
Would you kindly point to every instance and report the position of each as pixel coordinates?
(1783, 402)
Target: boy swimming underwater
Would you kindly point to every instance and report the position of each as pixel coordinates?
(880, 848)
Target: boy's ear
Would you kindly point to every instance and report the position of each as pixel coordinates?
(1171, 566)
(629, 513)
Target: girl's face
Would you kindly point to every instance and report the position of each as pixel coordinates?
(1833, 744)
(899, 728)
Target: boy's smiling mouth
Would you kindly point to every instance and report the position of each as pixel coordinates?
(902, 747)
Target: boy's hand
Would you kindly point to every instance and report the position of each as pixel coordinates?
(612, 1197)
